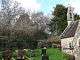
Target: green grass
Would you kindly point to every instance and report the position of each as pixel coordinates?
(54, 54)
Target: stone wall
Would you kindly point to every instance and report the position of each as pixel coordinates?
(65, 45)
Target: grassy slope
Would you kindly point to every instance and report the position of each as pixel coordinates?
(54, 54)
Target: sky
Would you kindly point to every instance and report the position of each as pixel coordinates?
(47, 6)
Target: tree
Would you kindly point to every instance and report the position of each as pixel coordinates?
(41, 20)
(76, 17)
(59, 21)
(10, 9)
(27, 30)
(24, 29)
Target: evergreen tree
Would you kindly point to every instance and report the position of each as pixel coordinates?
(76, 17)
(59, 21)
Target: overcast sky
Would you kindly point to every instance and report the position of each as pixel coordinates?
(46, 6)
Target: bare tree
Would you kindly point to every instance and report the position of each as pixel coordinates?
(10, 11)
(41, 20)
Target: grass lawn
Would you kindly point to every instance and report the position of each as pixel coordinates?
(54, 54)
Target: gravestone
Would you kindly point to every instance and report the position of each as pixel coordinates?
(43, 51)
(20, 55)
(71, 57)
(44, 55)
(32, 53)
(7, 54)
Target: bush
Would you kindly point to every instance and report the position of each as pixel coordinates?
(49, 44)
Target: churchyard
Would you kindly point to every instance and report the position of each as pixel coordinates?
(53, 53)
(27, 34)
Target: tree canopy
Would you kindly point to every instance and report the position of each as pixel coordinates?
(59, 20)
